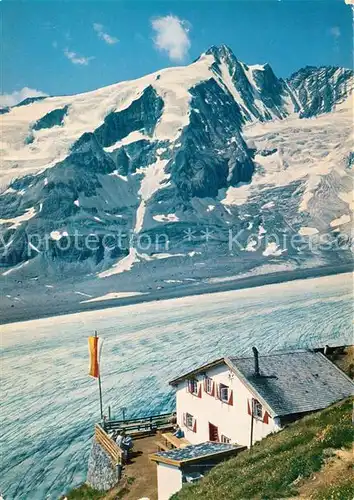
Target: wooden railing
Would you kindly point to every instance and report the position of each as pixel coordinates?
(108, 445)
(146, 424)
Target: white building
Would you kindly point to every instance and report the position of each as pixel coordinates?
(241, 400)
(186, 465)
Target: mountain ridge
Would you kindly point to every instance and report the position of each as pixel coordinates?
(180, 148)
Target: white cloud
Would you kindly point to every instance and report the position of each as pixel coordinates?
(19, 95)
(335, 32)
(76, 59)
(172, 36)
(111, 40)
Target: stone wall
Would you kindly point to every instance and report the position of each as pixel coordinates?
(102, 474)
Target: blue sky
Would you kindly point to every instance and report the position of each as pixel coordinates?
(59, 47)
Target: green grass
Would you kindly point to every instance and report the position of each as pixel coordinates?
(342, 491)
(270, 469)
(84, 492)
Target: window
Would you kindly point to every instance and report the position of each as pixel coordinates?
(190, 422)
(209, 385)
(193, 386)
(225, 439)
(257, 409)
(224, 393)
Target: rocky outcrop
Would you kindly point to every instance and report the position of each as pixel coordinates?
(29, 100)
(320, 89)
(102, 475)
(52, 119)
(142, 114)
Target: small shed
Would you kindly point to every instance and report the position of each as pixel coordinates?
(189, 464)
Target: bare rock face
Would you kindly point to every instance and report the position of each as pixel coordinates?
(319, 90)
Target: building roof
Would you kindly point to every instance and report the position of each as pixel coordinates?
(295, 382)
(289, 382)
(195, 453)
(203, 368)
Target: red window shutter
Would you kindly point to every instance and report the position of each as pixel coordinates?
(205, 385)
(200, 391)
(266, 418)
(213, 389)
(231, 398)
(195, 425)
(248, 408)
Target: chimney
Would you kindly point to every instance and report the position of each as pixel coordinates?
(256, 361)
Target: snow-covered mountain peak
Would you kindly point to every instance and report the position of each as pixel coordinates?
(157, 152)
(222, 51)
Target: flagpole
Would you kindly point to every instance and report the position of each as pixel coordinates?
(99, 381)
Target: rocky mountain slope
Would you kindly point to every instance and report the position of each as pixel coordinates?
(214, 159)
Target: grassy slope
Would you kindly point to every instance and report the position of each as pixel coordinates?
(275, 467)
(83, 492)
